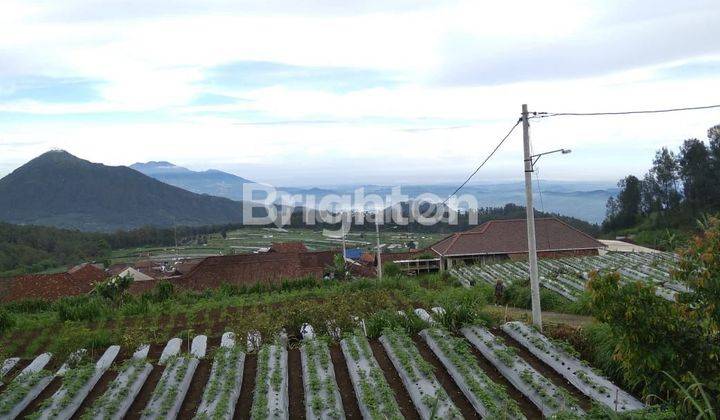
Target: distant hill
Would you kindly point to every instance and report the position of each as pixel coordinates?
(212, 182)
(59, 189)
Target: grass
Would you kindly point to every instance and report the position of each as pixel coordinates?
(150, 319)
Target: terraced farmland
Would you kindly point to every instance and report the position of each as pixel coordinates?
(568, 276)
(512, 372)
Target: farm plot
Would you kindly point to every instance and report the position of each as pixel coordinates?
(544, 394)
(270, 399)
(175, 381)
(568, 276)
(322, 396)
(375, 397)
(119, 396)
(576, 372)
(428, 396)
(78, 380)
(26, 386)
(488, 398)
(223, 388)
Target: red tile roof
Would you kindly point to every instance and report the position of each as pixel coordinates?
(248, 269)
(510, 237)
(288, 247)
(50, 286)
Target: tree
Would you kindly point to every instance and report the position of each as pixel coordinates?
(664, 172)
(695, 173)
(626, 207)
(652, 335)
(714, 139)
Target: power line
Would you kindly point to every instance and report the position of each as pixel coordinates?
(653, 111)
(484, 161)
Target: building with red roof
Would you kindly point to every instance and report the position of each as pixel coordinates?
(80, 280)
(507, 239)
(249, 269)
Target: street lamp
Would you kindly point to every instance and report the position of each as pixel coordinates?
(529, 162)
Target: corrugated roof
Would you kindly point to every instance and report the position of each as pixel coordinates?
(249, 269)
(288, 247)
(50, 286)
(510, 237)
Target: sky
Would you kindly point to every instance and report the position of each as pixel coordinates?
(327, 92)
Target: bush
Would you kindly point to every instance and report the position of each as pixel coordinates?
(28, 306)
(135, 306)
(6, 320)
(80, 308)
(391, 269)
(380, 321)
(163, 291)
(113, 289)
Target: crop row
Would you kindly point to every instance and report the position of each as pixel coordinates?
(568, 276)
(376, 398)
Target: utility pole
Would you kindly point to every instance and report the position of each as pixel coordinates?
(377, 235)
(532, 248)
(342, 228)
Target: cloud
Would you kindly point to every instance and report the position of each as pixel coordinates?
(246, 75)
(48, 89)
(342, 90)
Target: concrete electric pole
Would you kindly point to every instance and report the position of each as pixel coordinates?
(532, 249)
(377, 235)
(342, 228)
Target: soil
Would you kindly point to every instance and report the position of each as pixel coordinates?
(195, 392)
(146, 391)
(342, 376)
(584, 401)
(47, 393)
(99, 389)
(244, 404)
(403, 399)
(19, 366)
(447, 382)
(295, 386)
(526, 406)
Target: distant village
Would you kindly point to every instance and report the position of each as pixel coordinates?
(489, 242)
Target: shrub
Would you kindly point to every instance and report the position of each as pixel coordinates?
(135, 306)
(80, 308)
(163, 291)
(391, 269)
(6, 320)
(28, 306)
(113, 289)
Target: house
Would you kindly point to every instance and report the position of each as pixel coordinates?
(288, 247)
(249, 269)
(135, 274)
(499, 240)
(80, 280)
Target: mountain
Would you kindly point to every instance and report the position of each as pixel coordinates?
(212, 182)
(59, 189)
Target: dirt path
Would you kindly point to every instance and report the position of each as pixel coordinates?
(518, 314)
(347, 392)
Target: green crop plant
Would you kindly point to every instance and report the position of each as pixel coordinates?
(493, 397)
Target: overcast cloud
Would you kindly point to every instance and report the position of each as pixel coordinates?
(322, 92)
